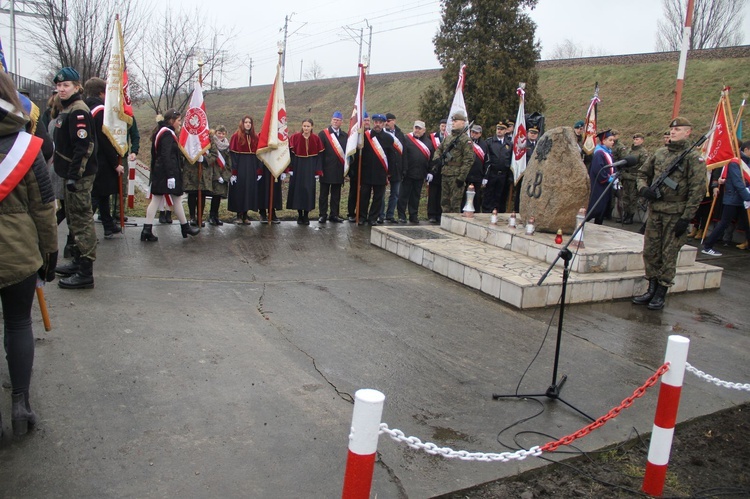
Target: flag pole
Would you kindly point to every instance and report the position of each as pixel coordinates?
(359, 162)
(119, 191)
(683, 58)
(739, 116)
(43, 307)
(275, 179)
(199, 215)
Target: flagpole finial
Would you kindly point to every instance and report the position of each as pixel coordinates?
(522, 85)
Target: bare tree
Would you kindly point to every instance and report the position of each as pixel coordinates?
(170, 54)
(569, 49)
(314, 71)
(78, 33)
(716, 23)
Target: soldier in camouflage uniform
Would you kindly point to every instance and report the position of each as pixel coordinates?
(628, 178)
(669, 215)
(457, 165)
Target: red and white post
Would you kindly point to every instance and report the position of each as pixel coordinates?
(363, 443)
(666, 415)
(131, 184)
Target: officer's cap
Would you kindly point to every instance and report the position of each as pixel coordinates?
(680, 121)
(501, 126)
(533, 129)
(67, 74)
(476, 128)
(459, 115)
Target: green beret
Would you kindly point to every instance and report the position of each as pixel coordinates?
(680, 121)
(67, 74)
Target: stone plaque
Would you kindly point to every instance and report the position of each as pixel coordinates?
(556, 183)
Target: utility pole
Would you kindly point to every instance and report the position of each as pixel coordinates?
(359, 57)
(300, 69)
(250, 77)
(369, 51)
(283, 55)
(28, 8)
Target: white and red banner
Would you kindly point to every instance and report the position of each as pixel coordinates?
(273, 141)
(518, 159)
(721, 146)
(194, 139)
(589, 141)
(18, 161)
(118, 111)
(356, 122)
(458, 103)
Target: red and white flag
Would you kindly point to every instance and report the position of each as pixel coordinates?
(518, 160)
(458, 103)
(273, 142)
(589, 141)
(721, 146)
(356, 122)
(117, 109)
(194, 138)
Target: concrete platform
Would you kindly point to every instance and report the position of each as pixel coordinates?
(224, 366)
(507, 264)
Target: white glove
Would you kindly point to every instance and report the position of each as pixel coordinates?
(429, 178)
(747, 205)
(259, 177)
(221, 180)
(616, 185)
(283, 177)
(484, 182)
(233, 179)
(291, 174)
(317, 177)
(170, 183)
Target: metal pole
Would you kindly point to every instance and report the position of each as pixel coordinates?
(283, 55)
(12, 66)
(369, 52)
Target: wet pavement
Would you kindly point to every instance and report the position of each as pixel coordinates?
(225, 365)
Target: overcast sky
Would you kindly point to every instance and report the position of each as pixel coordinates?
(327, 32)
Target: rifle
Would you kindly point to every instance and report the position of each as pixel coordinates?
(447, 156)
(664, 177)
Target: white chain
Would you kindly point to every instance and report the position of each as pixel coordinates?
(447, 452)
(716, 381)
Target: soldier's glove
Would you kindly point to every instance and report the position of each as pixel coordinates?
(71, 185)
(648, 193)
(47, 271)
(681, 227)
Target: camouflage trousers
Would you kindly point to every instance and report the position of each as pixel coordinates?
(628, 197)
(80, 217)
(451, 196)
(661, 248)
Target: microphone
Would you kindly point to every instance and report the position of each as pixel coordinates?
(628, 162)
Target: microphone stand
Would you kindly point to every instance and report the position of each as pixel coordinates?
(554, 389)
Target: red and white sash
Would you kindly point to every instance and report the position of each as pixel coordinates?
(478, 151)
(420, 145)
(336, 145)
(397, 145)
(98, 109)
(435, 140)
(18, 161)
(220, 160)
(162, 132)
(608, 157)
(377, 149)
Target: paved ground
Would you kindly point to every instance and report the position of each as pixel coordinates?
(225, 365)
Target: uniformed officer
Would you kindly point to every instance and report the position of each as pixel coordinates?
(628, 178)
(670, 214)
(75, 161)
(457, 164)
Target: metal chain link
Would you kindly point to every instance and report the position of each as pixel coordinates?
(716, 381)
(447, 452)
(639, 392)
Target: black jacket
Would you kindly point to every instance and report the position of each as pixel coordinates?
(333, 168)
(75, 140)
(373, 172)
(417, 165)
(107, 157)
(166, 162)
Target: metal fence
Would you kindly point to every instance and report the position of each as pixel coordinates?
(38, 92)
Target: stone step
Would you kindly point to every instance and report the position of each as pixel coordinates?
(512, 277)
(606, 249)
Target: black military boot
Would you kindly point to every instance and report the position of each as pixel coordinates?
(646, 297)
(187, 230)
(168, 216)
(70, 268)
(147, 234)
(162, 217)
(657, 302)
(70, 243)
(21, 415)
(83, 279)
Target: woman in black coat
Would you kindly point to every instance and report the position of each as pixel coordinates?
(166, 175)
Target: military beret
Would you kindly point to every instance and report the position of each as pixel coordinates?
(338, 115)
(604, 134)
(378, 117)
(579, 124)
(638, 135)
(390, 116)
(67, 74)
(680, 121)
(459, 115)
(476, 128)
(667, 134)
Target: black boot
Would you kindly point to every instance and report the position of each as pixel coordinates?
(628, 220)
(147, 234)
(21, 415)
(168, 217)
(657, 302)
(263, 217)
(189, 231)
(70, 268)
(648, 295)
(162, 217)
(70, 243)
(83, 279)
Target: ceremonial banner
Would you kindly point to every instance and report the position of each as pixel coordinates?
(2, 57)
(273, 142)
(194, 139)
(116, 117)
(589, 141)
(518, 160)
(458, 103)
(356, 122)
(721, 146)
